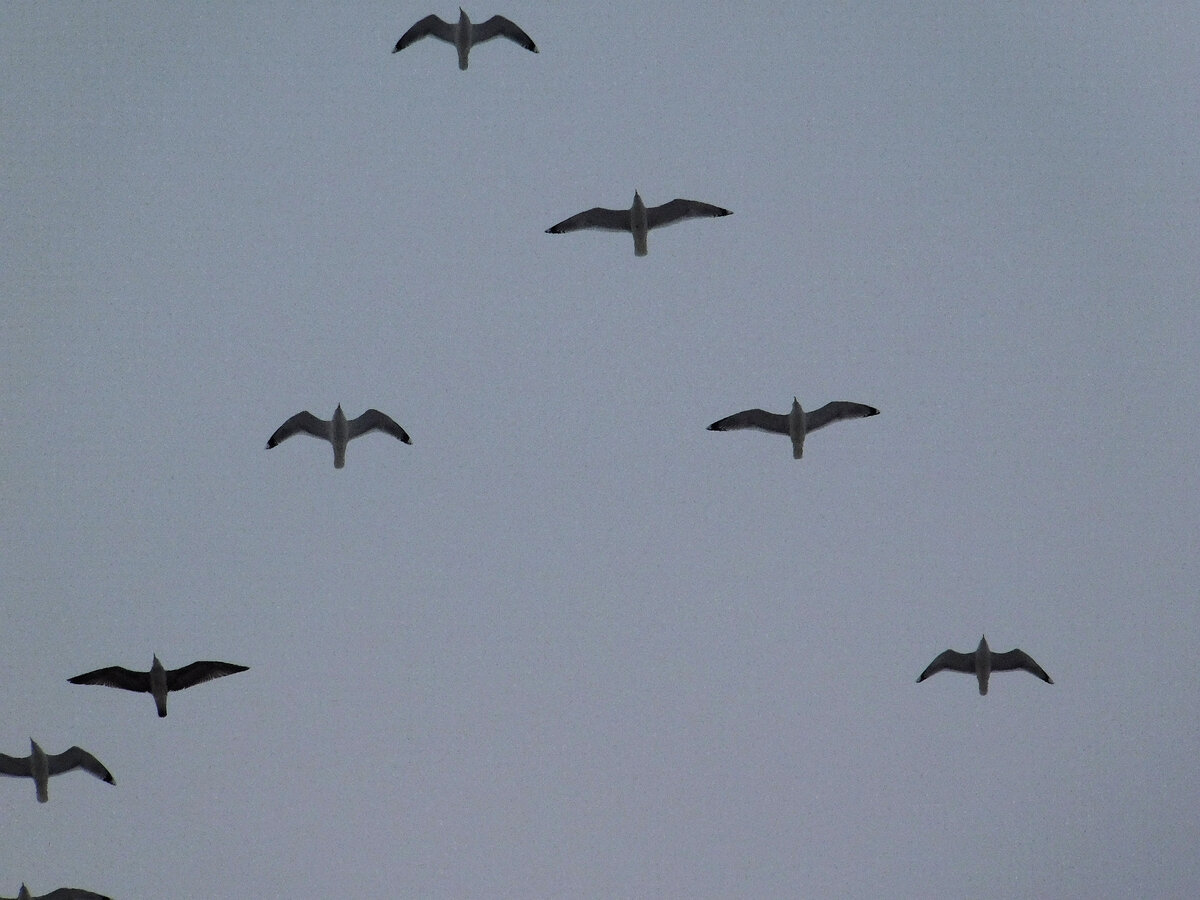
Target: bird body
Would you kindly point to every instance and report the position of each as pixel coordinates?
(464, 35)
(638, 219)
(340, 427)
(797, 428)
(339, 430)
(796, 424)
(639, 225)
(40, 765)
(158, 686)
(983, 662)
(159, 680)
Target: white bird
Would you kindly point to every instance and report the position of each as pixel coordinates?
(40, 765)
(463, 35)
(60, 894)
(638, 219)
(339, 431)
(983, 662)
(159, 680)
(797, 423)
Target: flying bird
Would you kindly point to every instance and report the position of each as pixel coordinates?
(463, 35)
(638, 219)
(60, 894)
(795, 424)
(158, 681)
(339, 431)
(983, 662)
(40, 765)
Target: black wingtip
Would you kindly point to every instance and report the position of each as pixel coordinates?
(713, 427)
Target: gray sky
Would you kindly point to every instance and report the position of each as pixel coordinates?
(570, 644)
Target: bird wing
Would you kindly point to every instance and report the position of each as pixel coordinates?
(950, 659)
(304, 422)
(596, 217)
(498, 26)
(14, 765)
(1018, 659)
(200, 672)
(78, 758)
(374, 420)
(682, 209)
(72, 894)
(838, 409)
(753, 418)
(428, 26)
(115, 676)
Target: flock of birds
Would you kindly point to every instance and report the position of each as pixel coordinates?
(638, 220)
(40, 765)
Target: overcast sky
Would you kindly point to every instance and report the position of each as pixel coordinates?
(570, 643)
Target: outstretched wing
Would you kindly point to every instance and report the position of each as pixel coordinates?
(596, 217)
(302, 422)
(78, 758)
(115, 676)
(200, 672)
(753, 418)
(374, 420)
(950, 659)
(14, 765)
(1018, 659)
(430, 26)
(72, 894)
(682, 209)
(498, 26)
(838, 409)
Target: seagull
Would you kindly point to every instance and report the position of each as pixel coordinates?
(983, 662)
(638, 219)
(463, 35)
(39, 766)
(339, 432)
(60, 894)
(797, 423)
(158, 680)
